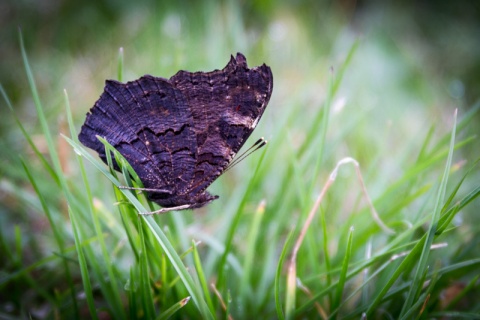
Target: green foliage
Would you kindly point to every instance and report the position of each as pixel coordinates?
(73, 244)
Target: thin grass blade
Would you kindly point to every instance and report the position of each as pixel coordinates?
(343, 274)
(173, 309)
(422, 263)
(87, 285)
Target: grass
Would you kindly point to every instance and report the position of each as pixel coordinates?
(265, 248)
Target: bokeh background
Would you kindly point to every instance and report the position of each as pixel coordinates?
(413, 64)
(74, 45)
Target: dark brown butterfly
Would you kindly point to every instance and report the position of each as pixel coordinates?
(182, 133)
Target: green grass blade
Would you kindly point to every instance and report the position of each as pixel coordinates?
(251, 252)
(120, 65)
(323, 127)
(291, 291)
(229, 306)
(278, 274)
(131, 288)
(87, 286)
(313, 130)
(343, 274)
(38, 105)
(32, 145)
(423, 261)
(173, 309)
(326, 253)
(201, 277)
(449, 214)
(468, 117)
(179, 267)
(146, 293)
(405, 264)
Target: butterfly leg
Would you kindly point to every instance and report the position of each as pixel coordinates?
(164, 210)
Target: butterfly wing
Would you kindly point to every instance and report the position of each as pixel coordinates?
(149, 123)
(226, 106)
(180, 134)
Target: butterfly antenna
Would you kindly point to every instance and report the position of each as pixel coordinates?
(260, 143)
(244, 154)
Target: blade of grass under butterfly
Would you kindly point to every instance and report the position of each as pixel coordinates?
(131, 288)
(80, 150)
(145, 289)
(75, 226)
(125, 167)
(109, 288)
(179, 267)
(156, 231)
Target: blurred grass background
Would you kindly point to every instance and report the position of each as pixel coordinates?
(402, 70)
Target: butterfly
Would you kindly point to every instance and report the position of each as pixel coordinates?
(180, 134)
